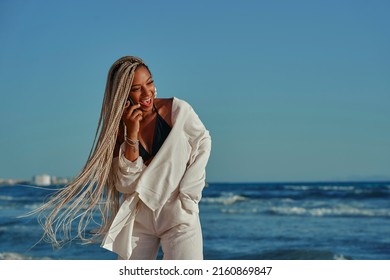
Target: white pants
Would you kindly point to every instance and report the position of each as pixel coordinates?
(177, 230)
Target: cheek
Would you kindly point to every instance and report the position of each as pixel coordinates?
(152, 87)
(135, 96)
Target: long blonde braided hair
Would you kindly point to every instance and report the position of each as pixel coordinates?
(93, 189)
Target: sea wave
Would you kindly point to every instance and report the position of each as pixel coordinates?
(293, 254)
(298, 188)
(19, 256)
(32, 206)
(302, 210)
(337, 188)
(335, 211)
(302, 192)
(240, 211)
(6, 197)
(321, 187)
(225, 200)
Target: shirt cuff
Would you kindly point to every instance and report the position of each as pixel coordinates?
(126, 166)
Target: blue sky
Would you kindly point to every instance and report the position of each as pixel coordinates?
(290, 90)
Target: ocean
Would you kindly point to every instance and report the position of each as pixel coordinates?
(242, 221)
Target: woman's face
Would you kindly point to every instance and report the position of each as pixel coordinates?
(143, 89)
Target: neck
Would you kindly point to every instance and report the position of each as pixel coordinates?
(148, 116)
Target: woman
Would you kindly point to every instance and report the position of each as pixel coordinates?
(149, 158)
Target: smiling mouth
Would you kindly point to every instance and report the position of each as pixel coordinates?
(146, 102)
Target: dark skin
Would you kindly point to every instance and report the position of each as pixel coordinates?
(140, 119)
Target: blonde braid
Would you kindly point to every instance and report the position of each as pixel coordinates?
(93, 189)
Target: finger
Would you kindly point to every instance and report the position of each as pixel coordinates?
(134, 109)
(136, 106)
(137, 113)
(129, 109)
(126, 114)
(138, 117)
(132, 114)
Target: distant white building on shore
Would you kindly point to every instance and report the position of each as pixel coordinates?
(42, 180)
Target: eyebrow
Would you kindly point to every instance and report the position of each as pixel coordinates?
(134, 85)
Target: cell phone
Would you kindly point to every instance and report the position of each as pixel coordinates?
(131, 101)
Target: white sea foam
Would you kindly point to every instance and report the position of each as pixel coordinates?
(288, 200)
(32, 206)
(337, 188)
(289, 210)
(226, 200)
(336, 211)
(233, 211)
(298, 188)
(18, 256)
(16, 228)
(14, 198)
(6, 197)
(324, 188)
(239, 211)
(340, 257)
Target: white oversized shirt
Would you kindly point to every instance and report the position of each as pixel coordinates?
(179, 166)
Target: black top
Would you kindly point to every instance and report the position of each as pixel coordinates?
(161, 132)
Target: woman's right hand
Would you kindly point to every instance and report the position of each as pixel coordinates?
(132, 117)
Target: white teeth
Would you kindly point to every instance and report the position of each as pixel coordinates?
(146, 101)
